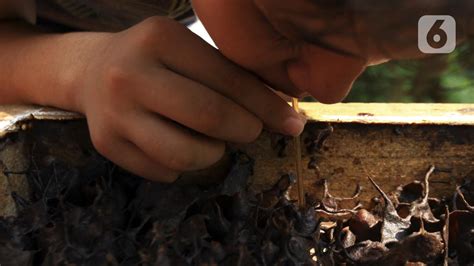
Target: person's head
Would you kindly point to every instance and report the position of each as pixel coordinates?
(314, 46)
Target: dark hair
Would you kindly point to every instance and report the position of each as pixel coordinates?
(385, 22)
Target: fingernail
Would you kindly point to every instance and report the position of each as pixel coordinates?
(293, 126)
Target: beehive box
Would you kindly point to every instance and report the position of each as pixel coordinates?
(342, 143)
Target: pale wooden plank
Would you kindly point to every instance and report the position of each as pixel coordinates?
(365, 113)
(391, 113)
(394, 142)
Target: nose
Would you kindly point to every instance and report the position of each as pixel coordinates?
(326, 75)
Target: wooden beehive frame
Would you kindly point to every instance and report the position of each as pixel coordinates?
(395, 143)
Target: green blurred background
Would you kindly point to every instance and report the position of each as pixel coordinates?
(442, 79)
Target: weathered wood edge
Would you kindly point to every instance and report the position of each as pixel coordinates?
(13, 116)
(391, 113)
(446, 117)
(365, 113)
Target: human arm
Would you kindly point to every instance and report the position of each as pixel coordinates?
(158, 99)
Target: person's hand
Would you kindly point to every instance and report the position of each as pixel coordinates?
(159, 100)
(318, 47)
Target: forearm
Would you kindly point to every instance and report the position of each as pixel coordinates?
(43, 68)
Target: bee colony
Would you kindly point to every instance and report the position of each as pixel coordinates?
(379, 180)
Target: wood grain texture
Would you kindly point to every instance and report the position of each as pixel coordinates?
(392, 154)
(395, 147)
(13, 165)
(393, 113)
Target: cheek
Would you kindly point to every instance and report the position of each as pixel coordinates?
(238, 28)
(244, 36)
(325, 75)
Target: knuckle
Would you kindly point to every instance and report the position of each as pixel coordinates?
(116, 78)
(181, 161)
(155, 30)
(101, 142)
(168, 177)
(157, 22)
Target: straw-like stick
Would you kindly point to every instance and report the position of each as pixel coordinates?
(299, 175)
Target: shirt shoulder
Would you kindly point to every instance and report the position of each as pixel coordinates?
(104, 15)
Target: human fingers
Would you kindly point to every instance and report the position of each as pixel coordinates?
(170, 144)
(188, 55)
(191, 104)
(115, 148)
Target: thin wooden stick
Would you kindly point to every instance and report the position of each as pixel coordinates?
(299, 174)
